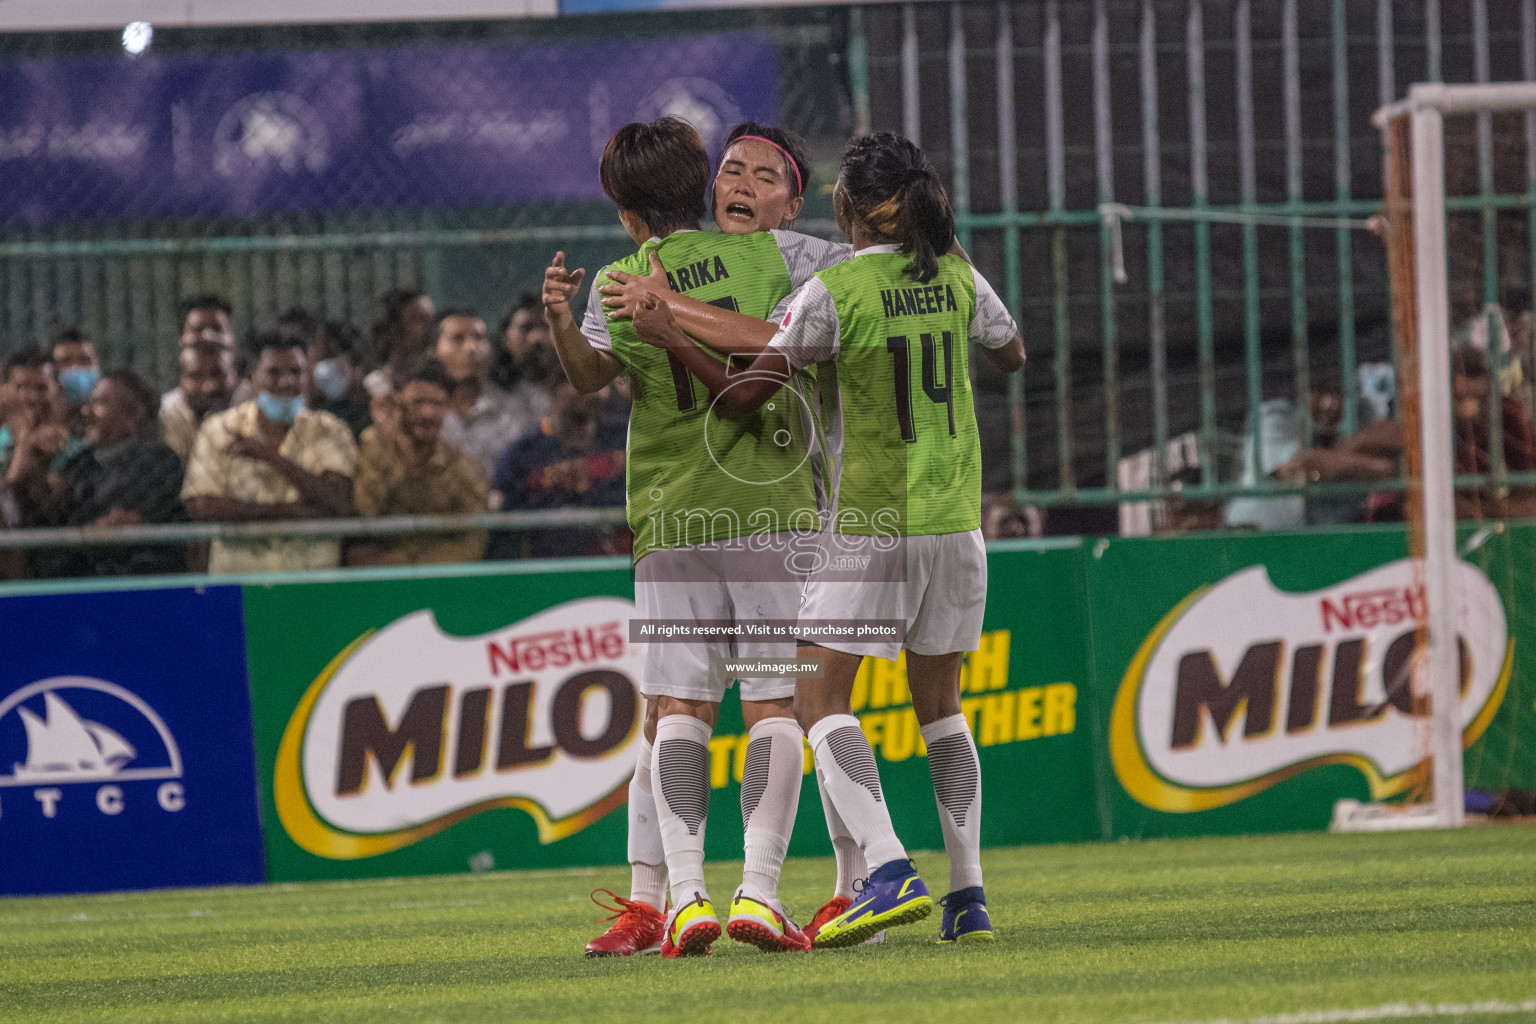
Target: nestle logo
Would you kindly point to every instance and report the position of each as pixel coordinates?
(556, 648)
(1371, 608)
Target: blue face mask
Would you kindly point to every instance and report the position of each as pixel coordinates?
(78, 382)
(279, 410)
(331, 379)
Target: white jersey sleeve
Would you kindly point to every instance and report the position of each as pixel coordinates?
(810, 332)
(782, 309)
(806, 255)
(991, 326)
(594, 325)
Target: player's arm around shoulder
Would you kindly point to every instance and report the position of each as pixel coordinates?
(994, 329)
(585, 351)
(724, 330)
(742, 392)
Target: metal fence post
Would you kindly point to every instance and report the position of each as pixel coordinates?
(1104, 167)
(1056, 177)
(1204, 328)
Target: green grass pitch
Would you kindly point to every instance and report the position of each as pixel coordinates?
(1306, 927)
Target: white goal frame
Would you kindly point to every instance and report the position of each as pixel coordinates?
(1426, 107)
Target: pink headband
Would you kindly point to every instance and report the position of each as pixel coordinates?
(799, 184)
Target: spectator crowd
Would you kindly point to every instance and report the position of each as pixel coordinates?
(295, 425)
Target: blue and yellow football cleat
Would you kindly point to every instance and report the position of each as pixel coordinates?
(965, 916)
(893, 895)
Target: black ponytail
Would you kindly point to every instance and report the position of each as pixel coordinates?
(895, 192)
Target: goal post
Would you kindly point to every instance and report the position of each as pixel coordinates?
(1415, 225)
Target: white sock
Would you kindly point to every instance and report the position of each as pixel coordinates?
(956, 775)
(850, 861)
(770, 796)
(852, 779)
(647, 857)
(680, 773)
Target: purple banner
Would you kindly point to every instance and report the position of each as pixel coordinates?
(353, 129)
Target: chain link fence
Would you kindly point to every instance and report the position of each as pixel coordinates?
(309, 176)
(325, 167)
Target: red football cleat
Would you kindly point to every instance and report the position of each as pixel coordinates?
(834, 906)
(637, 928)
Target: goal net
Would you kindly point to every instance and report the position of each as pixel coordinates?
(1459, 223)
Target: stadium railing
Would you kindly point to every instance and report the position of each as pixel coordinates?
(1179, 241)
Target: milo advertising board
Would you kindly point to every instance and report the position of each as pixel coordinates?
(438, 725)
(1123, 688)
(1247, 683)
(428, 725)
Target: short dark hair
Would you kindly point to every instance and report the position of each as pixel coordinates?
(787, 141)
(205, 300)
(428, 370)
(530, 301)
(298, 321)
(32, 357)
(138, 389)
(340, 337)
(657, 170)
(452, 311)
(260, 341)
(391, 308)
(393, 302)
(67, 334)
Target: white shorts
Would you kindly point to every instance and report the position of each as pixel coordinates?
(936, 585)
(715, 583)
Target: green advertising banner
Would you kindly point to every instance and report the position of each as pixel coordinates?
(436, 724)
(1246, 683)
(1123, 688)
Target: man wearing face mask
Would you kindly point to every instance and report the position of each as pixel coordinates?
(336, 371)
(206, 386)
(272, 459)
(122, 477)
(76, 369)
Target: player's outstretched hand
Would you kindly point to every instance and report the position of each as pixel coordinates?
(655, 324)
(628, 290)
(560, 285)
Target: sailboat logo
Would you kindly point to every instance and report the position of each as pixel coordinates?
(65, 745)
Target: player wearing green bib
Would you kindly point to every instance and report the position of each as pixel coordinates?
(889, 331)
(711, 500)
(759, 186)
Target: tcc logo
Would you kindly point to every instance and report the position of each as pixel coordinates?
(73, 731)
